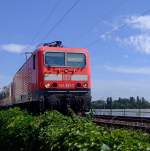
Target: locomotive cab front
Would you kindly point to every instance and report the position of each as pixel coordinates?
(64, 77)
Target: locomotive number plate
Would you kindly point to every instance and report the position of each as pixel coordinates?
(66, 85)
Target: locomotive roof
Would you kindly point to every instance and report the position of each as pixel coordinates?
(66, 49)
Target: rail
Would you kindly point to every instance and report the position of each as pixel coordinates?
(142, 123)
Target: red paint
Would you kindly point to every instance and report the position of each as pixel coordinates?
(28, 79)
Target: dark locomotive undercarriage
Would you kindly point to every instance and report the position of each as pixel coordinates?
(62, 100)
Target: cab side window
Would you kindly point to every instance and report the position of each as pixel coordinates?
(34, 57)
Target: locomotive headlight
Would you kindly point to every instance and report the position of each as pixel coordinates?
(47, 85)
(54, 85)
(85, 85)
(78, 85)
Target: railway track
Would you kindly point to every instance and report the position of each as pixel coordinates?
(140, 123)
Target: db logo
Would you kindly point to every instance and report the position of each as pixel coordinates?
(66, 77)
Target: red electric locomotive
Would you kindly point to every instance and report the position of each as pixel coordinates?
(54, 77)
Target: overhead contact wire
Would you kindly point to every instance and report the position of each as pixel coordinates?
(48, 17)
(61, 19)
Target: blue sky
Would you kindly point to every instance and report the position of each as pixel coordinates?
(116, 32)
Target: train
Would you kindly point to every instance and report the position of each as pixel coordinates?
(53, 77)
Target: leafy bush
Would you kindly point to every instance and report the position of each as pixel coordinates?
(17, 130)
(20, 131)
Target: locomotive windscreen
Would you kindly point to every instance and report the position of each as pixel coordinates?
(76, 59)
(55, 58)
(62, 59)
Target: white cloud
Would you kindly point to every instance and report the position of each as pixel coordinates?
(139, 42)
(139, 22)
(14, 48)
(108, 34)
(129, 70)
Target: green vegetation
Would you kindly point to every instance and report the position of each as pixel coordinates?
(20, 131)
(122, 103)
